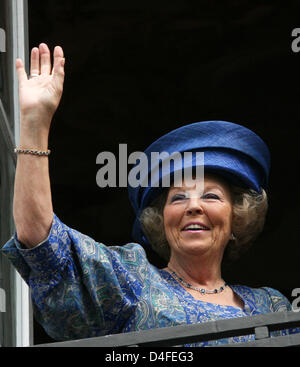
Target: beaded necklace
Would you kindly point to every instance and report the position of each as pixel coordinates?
(198, 289)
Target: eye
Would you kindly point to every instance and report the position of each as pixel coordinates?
(210, 195)
(177, 197)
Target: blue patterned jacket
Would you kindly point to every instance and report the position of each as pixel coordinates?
(81, 288)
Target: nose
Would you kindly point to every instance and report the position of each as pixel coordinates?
(194, 207)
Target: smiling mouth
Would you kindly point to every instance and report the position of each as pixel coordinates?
(195, 227)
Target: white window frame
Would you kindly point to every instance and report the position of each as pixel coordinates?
(22, 321)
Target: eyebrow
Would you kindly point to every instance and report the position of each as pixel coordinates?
(173, 190)
(210, 187)
(223, 191)
(183, 188)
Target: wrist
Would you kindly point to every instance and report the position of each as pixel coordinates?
(34, 134)
(33, 139)
(35, 121)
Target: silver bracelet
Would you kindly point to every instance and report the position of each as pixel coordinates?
(30, 151)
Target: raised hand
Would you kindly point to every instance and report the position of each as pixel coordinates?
(40, 93)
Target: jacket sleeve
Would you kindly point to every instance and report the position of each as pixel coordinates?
(279, 303)
(80, 288)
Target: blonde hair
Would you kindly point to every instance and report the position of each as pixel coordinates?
(249, 210)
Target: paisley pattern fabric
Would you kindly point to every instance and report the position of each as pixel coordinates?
(81, 288)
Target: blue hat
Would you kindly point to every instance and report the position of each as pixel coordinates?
(230, 150)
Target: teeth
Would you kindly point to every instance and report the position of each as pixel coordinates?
(195, 226)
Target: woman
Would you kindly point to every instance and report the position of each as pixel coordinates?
(81, 288)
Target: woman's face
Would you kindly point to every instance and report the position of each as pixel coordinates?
(198, 222)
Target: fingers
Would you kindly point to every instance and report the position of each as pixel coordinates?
(35, 61)
(40, 62)
(45, 60)
(58, 56)
(58, 63)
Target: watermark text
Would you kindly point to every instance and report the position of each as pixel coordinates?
(159, 169)
(296, 301)
(296, 42)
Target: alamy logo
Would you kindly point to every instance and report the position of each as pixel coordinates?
(2, 40)
(296, 42)
(296, 301)
(160, 169)
(2, 300)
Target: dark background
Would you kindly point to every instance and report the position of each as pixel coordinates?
(138, 69)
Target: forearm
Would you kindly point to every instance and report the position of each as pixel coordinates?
(32, 207)
(39, 97)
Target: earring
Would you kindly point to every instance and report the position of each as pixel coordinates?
(233, 237)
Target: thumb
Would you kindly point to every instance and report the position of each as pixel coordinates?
(22, 76)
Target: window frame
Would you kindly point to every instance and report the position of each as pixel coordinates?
(17, 320)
